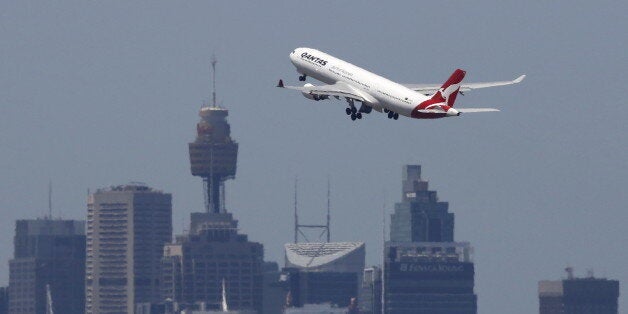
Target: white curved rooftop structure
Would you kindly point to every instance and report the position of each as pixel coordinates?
(326, 256)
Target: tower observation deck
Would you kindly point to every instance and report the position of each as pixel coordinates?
(213, 155)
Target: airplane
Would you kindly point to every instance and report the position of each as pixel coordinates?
(354, 84)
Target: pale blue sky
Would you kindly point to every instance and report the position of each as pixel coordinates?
(95, 93)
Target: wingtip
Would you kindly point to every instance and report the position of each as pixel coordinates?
(280, 83)
(519, 79)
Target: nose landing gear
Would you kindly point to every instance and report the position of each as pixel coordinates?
(302, 77)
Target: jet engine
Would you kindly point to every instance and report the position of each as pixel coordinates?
(308, 95)
(313, 97)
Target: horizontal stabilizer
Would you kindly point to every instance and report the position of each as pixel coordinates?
(465, 110)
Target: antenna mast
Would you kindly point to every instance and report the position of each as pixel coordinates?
(50, 199)
(296, 217)
(383, 292)
(213, 62)
(328, 210)
(298, 227)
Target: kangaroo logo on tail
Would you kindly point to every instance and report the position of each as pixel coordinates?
(448, 92)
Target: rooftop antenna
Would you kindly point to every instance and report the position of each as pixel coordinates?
(296, 216)
(569, 271)
(328, 210)
(298, 227)
(213, 61)
(50, 199)
(383, 273)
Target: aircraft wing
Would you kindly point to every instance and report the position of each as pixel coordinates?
(429, 89)
(339, 89)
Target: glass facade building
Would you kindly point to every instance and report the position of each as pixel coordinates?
(425, 270)
(579, 296)
(49, 254)
(195, 266)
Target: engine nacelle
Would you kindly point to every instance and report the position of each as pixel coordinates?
(308, 95)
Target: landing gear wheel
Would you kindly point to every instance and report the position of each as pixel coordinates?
(353, 110)
(359, 115)
(353, 117)
(348, 111)
(386, 110)
(390, 114)
(302, 77)
(396, 116)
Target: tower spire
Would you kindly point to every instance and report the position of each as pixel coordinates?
(213, 155)
(213, 61)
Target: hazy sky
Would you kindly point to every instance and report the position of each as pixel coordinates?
(97, 93)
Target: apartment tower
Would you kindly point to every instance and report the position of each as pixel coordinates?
(127, 228)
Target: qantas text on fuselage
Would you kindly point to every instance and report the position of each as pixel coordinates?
(354, 84)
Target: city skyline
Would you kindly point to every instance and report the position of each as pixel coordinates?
(102, 93)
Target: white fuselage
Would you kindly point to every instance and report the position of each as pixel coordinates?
(380, 93)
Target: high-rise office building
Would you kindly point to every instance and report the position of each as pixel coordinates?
(420, 216)
(425, 271)
(327, 272)
(4, 300)
(371, 291)
(429, 277)
(273, 292)
(578, 296)
(195, 266)
(49, 257)
(127, 228)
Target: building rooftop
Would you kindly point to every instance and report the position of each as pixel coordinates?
(432, 251)
(319, 254)
(131, 187)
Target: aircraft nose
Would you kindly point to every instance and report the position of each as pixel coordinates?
(293, 55)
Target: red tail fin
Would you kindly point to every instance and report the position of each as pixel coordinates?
(448, 92)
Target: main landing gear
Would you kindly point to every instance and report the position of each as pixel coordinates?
(302, 77)
(352, 111)
(391, 115)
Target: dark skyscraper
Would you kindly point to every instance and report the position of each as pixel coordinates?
(425, 271)
(195, 266)
(578, 296)
(420, 217)
(48, 253)
(371, 291)
(4, 300)
(127, 228)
